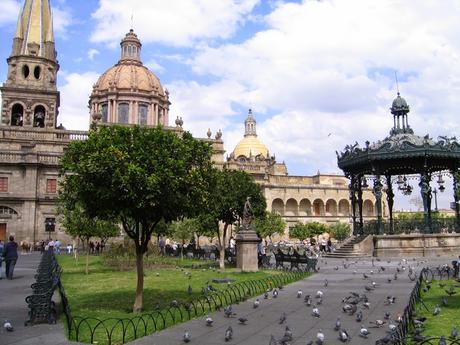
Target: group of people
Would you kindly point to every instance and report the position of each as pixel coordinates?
(9, 254)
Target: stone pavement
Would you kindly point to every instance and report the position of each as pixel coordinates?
(263, 321)
(14, 308)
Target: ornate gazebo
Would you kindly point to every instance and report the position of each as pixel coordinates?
(396, 160)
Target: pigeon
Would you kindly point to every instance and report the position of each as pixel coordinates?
(265, 295)
(308, 301)
(209, 321)
(346, 308)
(389, 280)
(315, 312)
(444, 301)
(275, 293)
(365, 276)
(326, 282)
(187, 337)
(378, 323)
(299, 293)
(359, 316)
(287, 337)
(174, 303)
(363, 332)
(319, 338)
(256, 303)
(228, 333)
(8, 326)
(336, 268)
(282, 318)
(189, 290)
(454, 333)
(387, 315)
(366, 305)
(392, 326)
(319, 294)
(391, 300)
(337, 324)
(343, 336)
(451, 291)
(319, 301)
(228, 311)
(436, 310)
(368, 288)
(242, 320)
(442, 340)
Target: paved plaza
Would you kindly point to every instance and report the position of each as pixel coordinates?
(262, 322)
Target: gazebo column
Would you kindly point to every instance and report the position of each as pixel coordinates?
(425, 191)
(456, 179)
(359, 190)
(377, 190)
(352, 188)
(390, 200)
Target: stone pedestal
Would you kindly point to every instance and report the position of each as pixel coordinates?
(246, 251)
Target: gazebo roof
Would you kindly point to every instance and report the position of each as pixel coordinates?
(402, 152)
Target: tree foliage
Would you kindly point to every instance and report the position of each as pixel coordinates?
(339, 231)
(182, 230)
(300, 231)
(271, 224)
(226, 203)
(140, 176)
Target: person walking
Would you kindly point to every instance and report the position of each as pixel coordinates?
(458, 267)
(10, 253)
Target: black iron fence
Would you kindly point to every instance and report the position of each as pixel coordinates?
(408, 226)
(121, 330)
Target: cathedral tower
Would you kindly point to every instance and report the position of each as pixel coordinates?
(29, 95)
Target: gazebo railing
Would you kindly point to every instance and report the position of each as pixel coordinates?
(409, 226)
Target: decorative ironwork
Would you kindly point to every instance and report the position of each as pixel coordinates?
(402, 154)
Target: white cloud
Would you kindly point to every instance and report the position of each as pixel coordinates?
(75, 91)
(174, 22)
(9, 10)
(92, 53)
(62, 20)
(326, 67)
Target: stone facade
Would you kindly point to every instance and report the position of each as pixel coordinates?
(323, 198)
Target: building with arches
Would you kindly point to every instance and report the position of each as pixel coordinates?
(322, 198)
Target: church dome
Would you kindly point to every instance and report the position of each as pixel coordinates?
(128, 93)
(250, 146)
(129, 75)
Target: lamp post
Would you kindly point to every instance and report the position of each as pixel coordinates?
(435, 192)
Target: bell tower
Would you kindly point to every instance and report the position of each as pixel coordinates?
(29, 95)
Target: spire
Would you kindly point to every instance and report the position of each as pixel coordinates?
(130, 47)
(34, 30)
(250, 125)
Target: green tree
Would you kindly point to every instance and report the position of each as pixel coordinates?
(140, 176)
(271, 224)
(226, 202)
(182, 230)
(78, 224)
(316, 228)
(207, 226)
(300, 231)
(339, 231)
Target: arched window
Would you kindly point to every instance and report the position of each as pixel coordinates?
(39, 116)
(5, 210)
(17, 115)
(143, 110)
(104, 114)
(25, 71)
(123, 113)
(37, 71)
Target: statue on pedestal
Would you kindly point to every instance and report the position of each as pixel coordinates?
(248, 215)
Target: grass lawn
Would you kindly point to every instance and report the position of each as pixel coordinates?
(107, 293)
(449, 317)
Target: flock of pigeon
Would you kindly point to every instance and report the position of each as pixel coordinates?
(354, 305)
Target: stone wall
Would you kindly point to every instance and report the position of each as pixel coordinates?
(417, 245)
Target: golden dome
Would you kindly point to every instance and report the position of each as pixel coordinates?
(129, 75)
(250, 146)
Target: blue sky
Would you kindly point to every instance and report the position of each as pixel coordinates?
(307, 68)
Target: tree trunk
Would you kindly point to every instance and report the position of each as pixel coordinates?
(222, 248)
(139, 302)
